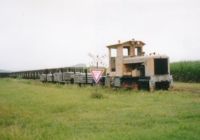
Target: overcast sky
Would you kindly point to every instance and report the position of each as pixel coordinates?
(38, 34)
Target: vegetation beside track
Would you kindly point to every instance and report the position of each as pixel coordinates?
(186, 71)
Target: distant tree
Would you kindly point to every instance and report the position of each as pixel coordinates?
(97, 60)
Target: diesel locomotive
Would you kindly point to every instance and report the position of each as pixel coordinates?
(130, 67)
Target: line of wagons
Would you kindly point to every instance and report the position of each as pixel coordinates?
(69, 75)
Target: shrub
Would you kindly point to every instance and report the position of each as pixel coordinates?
(97, 95)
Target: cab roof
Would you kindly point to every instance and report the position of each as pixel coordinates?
(130, 42)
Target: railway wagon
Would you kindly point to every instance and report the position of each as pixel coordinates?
(43, 77)
(58, 77)
(83, 78)
(68, 77)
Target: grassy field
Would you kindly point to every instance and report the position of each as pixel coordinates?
(30, 110)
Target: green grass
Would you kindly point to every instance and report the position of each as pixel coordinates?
(186, 71)
(30, 110)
